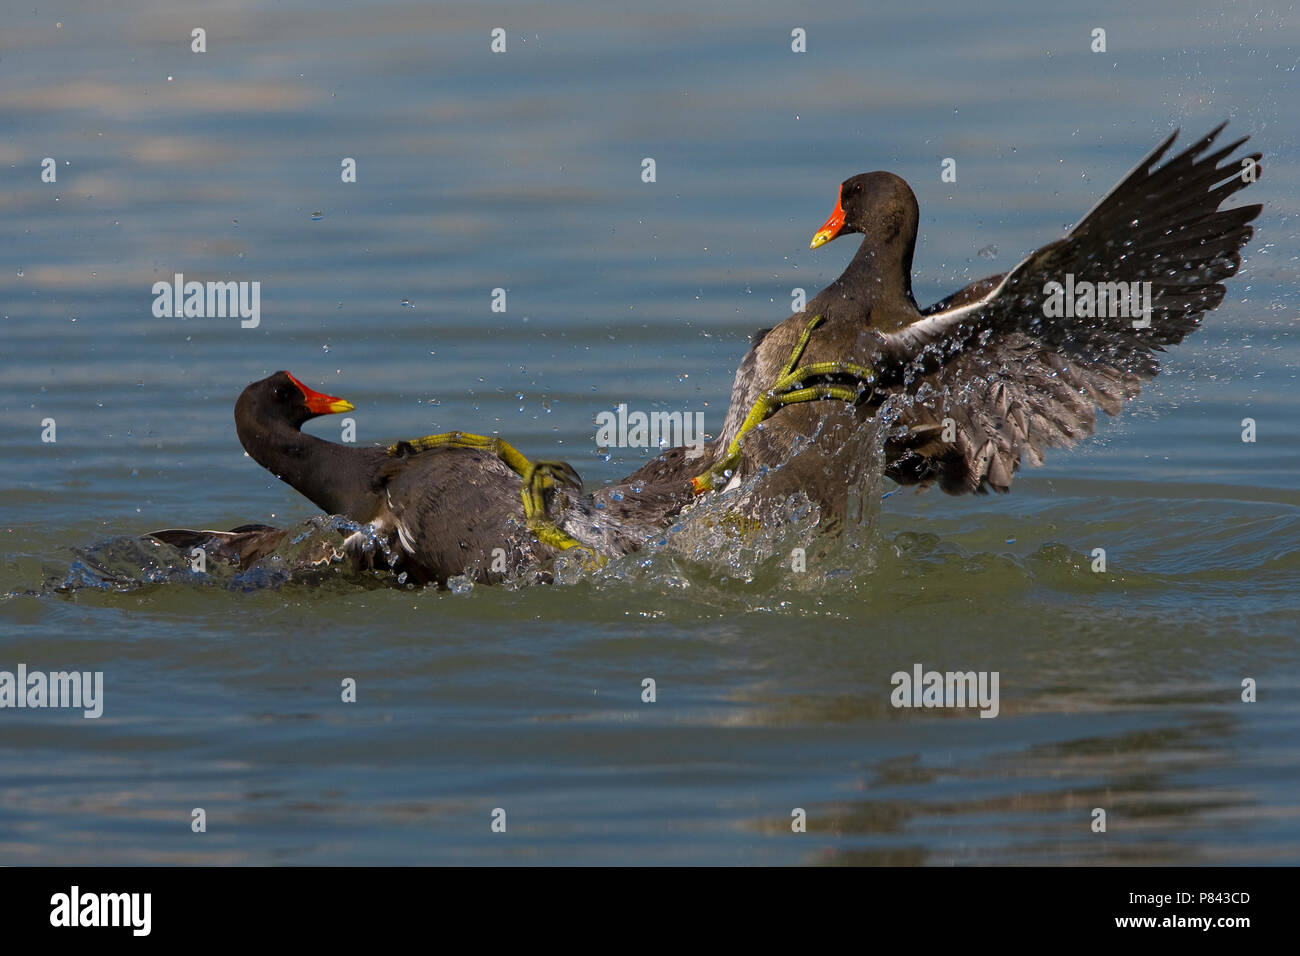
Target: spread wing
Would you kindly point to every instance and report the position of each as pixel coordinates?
(1009, 375)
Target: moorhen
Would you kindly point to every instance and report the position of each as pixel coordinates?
(442, 505)
(1002, 369)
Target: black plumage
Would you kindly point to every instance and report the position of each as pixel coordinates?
(989, 362)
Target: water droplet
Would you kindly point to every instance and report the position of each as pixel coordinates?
(988, 252)
(317, 216)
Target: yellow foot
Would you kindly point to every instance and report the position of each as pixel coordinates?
(538, 478)
(789, 389)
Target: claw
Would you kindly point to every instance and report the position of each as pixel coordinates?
(537, 477)
(561, 473)
(789, 389)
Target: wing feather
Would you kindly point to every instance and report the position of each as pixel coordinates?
(985, 380)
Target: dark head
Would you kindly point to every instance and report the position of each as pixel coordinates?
(879, 205)
(335, 477)
(282, 398)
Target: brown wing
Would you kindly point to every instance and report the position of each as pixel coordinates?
(981, 383)
(242, 545)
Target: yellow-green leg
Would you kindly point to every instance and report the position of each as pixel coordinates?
(498, 446)
(538, 478)
(788, 390)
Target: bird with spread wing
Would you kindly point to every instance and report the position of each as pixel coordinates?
(1005, 368)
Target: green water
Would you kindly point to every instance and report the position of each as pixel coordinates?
(1119, 689)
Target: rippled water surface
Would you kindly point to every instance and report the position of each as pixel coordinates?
(1119, 689)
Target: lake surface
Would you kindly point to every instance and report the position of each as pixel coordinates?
(1119, 690)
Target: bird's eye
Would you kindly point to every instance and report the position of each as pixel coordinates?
(279, 393)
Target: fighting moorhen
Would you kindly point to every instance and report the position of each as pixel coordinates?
(442, 505)
(967, 388)
(1004, 368)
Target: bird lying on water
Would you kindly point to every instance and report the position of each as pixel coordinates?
(969, 387)
(441, 505)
